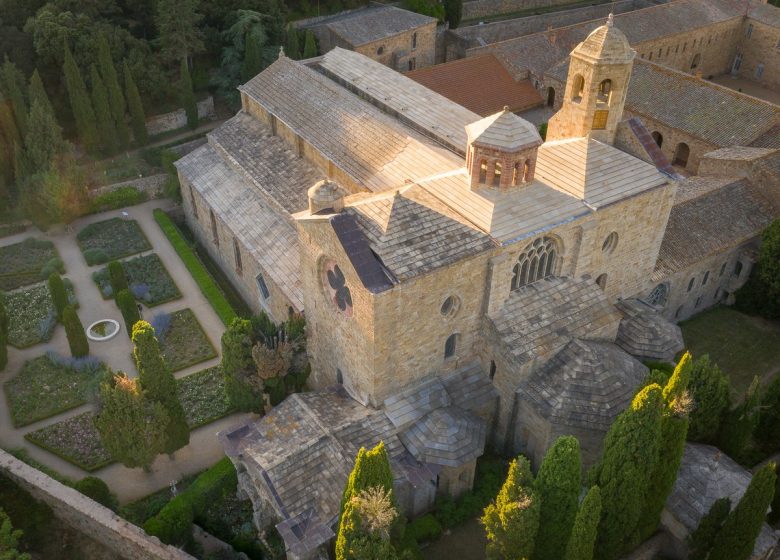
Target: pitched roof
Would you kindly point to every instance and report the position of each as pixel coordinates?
(537, 320)
(503, 131)
(448, 436)
(766, 13)
(415, 105)
(645, 334)
(374, 23)
(585, 385)
(607, 44)
(480, 83)
(260, 227)
(720, 217)
(373, 148)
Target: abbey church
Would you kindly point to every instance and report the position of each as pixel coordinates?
(465, 283)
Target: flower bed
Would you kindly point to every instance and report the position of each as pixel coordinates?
(32, 315)
(184, 343)
(48, 385)
(148, 279)
(111, 239)
(76, 440)
(203, 397)
(28, 262)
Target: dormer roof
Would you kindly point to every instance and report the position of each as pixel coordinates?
(606, 45)
(503, 131)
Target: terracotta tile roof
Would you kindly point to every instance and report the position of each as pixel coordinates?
(481, 84)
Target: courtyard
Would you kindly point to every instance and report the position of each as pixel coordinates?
(49, 398)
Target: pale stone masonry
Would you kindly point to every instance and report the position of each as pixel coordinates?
(463, 283)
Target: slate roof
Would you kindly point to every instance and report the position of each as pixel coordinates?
(607, 44)
(700, 226)
(374, 23)
(537, 320)
(480, 83)
(769, 139)
(260, 227)
(766, 13)
(413, 232)
(469, 389)
(448, 436)
(585, 385)
(374, 149)
(707, 474)
(503, 131)
(645, 334)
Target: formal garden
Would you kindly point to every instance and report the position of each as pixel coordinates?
(147, 277)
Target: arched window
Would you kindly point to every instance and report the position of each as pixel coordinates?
(681, 154)
(492, 369)
(738, 268)
(696, 61)
(483, 171)
(516, 174)
(658, 138)
(601, 281)
(526, 171)
(610, 243)
(690, 284)
(497, 174)
(381, 50)
(550, 97)
(339, 377)
(237, 256)
(706, 277)
(723, 268)
(759, 71)
(577, 88)
(605, 92)
(414, 41)
(659, 295)
(192, 202)
(214, 233)
(449, 346)
(537, 261)
(450, 306)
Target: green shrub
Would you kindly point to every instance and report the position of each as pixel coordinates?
(295, 326)
(96, 489)
(54, 264)
(263, 326)
(127, 306)
(199, 273)
(95, 256)
(59, 295)
(173, 525)
(116, 277)
(118, 198)
(4, 322)
(77, 337)
(543, 130)
(425, 528)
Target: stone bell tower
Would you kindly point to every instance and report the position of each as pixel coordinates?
(599, 72)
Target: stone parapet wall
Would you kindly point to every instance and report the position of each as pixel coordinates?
(151, 185)
(87, 516)
(178, 119)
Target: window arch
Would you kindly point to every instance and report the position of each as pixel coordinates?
(483, 171)
(679, 312)
(550, 96)
(381, 50)
(610, 243)
(706, 277)
(658, 138)
(738, 268)
(492, 369)
(605, 91)
(577, 88)
(450, 346)
(538, 260)
(601, 281)
(526, 171)
(214, 232)
(681, 154)
(690, 284)
(339, 377)
(696, 61)
(659, 295)
(497, 174)
(450, 306)
(516, 171)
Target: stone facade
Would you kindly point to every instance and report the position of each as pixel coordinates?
(404, 51)
(759, 51)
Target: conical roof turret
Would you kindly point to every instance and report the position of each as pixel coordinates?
(606, 45)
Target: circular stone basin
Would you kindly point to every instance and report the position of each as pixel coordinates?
(105, 329)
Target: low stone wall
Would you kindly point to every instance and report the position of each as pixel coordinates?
(88, 517)
(485, 8)
(178, 119)
(151, 185)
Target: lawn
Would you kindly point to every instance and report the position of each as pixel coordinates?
(742, 345)
(111, 239)
(47, 386)
(76, 440)
(27, 262)
(148, 279)
(184, 343)
(32, 315)
(203, 397)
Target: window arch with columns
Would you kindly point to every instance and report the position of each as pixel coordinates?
(537, 261)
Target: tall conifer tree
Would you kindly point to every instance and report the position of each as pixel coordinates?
(701, 540)
(709, 389)
(105, 122)
(43, 140)
(137, 115)
(586, 524)
(80, 103)
(292, 47)
(4, 323)
(12, 84)
(115, 98)
(38, 93)
(188, 96)
(310, 45)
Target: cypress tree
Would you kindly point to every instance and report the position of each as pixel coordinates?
(132, 428)
(158, 383)
(586, 524)
(77, 338)
(105, 122)
(700, 541)
(511, 521)
(12, 84)
(43, 140)
(80, 103)
(740, 423)
(115, 98)
(678, 382)
(292, 47)
(453, 11)
(188, 96)
(767, 433)
(4, 322)
(238, 365)
(372, 468)
(558, 487)
(252, 59)
(630, 453)
(137, 115)
(709, 390)
(126, 303)
(737, 536)
(38, 93)
(310, 45)
(116, 277)
(59, 296)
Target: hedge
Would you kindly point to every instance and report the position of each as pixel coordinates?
(199, 273)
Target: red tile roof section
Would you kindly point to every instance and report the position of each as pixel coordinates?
(481, 84)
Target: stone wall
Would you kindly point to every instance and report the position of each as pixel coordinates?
(151, 185)
(88, 517)
(178, 119)
(397, 52)
(475, 9)
(761, 47)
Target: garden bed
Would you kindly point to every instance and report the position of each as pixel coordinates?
(49, 385)
(76, 440)
(32, 315)
(28, 262)
(147, 277)
(111, 239)
(184, 343)
(203, 397)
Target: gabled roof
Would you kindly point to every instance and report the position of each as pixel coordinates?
(645, 334)
(374, 23)
(479, 83)
(503, 131)
(766, 14)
